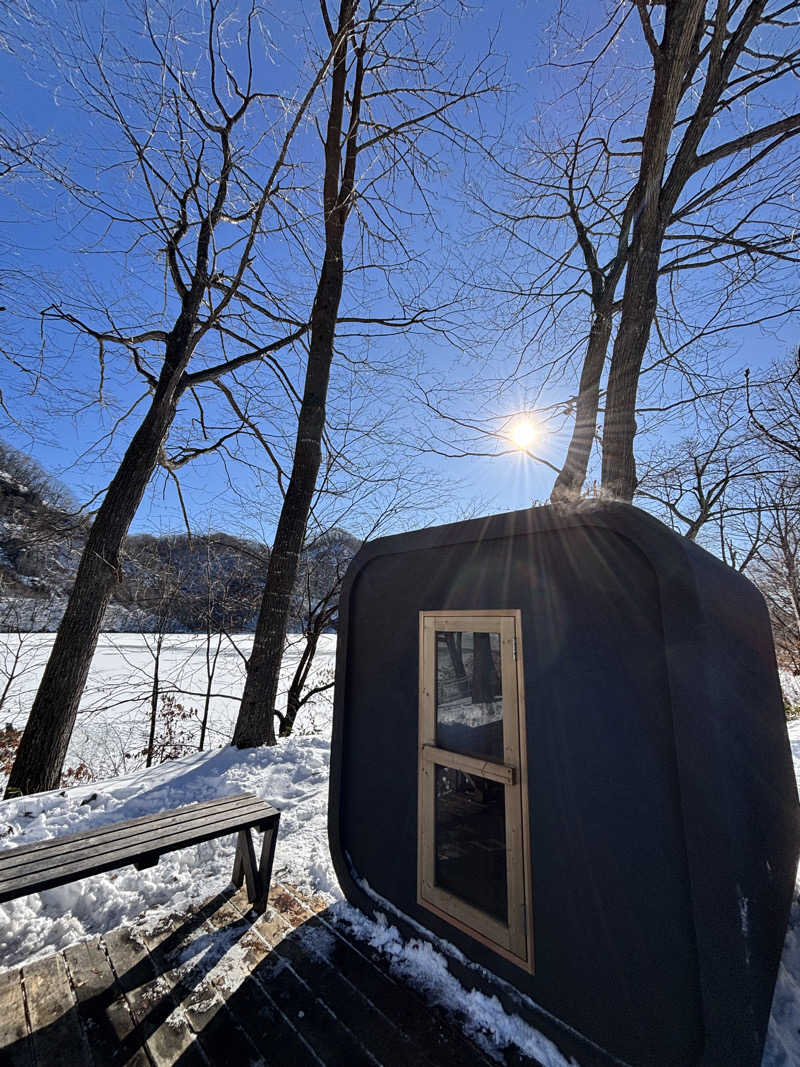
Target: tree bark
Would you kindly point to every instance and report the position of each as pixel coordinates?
(11, 672)
(453, 642)
(294, 698)
(292, 708)
(211, 670)
(619, 428)
(44, 743)
(569, 483)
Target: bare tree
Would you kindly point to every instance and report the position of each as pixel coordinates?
(773, 405)
(776, 570)
(317, 606)
(709, 486)
(774, 409)
(186, 124)
(666, 207)
(19, 623)
(738, 492)
(158, 599)
(388, 97)
(223, 600)
(714, 60)
(369, 482)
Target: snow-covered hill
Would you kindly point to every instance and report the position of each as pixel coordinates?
(169, 583)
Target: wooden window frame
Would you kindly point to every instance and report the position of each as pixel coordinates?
(513, 941)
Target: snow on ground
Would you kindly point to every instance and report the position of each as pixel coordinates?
(783, 1037)
(109, 736)
(790, 684)
(483, 1017)
(293, 776)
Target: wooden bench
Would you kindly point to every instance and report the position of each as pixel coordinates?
(142, 842)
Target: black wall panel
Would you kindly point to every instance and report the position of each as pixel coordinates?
(626, 649)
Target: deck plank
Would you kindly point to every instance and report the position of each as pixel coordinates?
(293, 987)
(105, 1013)
(162, 1024)
(334, 1044)
(309, 952)
(426, 1024)
(185, 970)
(53, 1013)
(279, 1038)
(15, 1048)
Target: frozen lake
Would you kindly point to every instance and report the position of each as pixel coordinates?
(114, 716)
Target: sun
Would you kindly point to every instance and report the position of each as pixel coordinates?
(523, 433)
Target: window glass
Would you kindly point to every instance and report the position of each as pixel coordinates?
(469, 696)
(470, 834)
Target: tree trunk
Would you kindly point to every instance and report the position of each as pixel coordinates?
(619, 427)
(43, 748)
(11, 672)
(681, 23)
(211, 670)
(292, 708)
(294, 696)
(453, 642)
(255, 724)
(154, 702)
(569, 483)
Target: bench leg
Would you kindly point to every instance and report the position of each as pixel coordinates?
(265, 866)
(256, 875)
(238, 863)
(244, 865)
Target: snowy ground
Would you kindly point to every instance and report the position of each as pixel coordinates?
(294, 776)
(109, 736)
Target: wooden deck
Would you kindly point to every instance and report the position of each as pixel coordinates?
(222, 985)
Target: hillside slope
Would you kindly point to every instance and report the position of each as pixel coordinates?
(168, 582)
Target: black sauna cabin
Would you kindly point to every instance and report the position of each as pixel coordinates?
(559, 746)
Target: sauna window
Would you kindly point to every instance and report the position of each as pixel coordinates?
(473, 867)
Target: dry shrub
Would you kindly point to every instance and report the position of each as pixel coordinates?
(9, 742)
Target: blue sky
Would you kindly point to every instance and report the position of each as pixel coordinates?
(61, 248)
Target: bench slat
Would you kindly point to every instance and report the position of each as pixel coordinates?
(112, 858)
(140, 820)
(61, 854)
(61, 858)
(74, 846)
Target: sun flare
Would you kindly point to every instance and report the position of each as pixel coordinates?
(523, 433)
